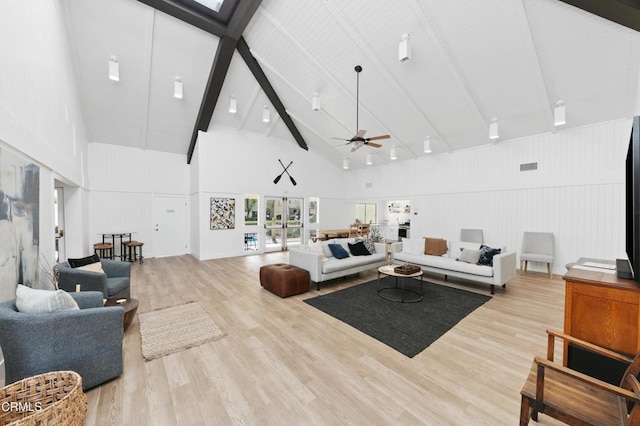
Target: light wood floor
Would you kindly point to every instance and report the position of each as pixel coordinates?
(284, 362)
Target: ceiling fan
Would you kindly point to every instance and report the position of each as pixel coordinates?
(359, 140)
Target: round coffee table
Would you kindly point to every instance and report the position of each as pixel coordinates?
(407, 295)
(130, 307)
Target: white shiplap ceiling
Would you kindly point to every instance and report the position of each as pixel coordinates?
(470, 61)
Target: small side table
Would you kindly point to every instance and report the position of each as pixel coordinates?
(130, 308)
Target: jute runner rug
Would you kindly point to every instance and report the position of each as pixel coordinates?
(169, 330)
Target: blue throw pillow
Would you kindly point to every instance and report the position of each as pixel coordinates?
(486, 255)
(338, 251)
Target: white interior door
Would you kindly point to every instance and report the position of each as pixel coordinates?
(170, 226)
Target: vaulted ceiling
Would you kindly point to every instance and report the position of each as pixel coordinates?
(471, 61)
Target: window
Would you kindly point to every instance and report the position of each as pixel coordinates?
(250, 210)
(211, 4)
(314, 210)
(366, 213)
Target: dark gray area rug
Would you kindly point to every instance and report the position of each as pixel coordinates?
(408, 328)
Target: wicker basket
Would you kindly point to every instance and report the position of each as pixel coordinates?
(54, 398)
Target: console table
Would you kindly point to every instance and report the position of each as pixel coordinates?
(602, 309)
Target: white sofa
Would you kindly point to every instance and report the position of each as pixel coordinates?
(503, 269)
(322, 266)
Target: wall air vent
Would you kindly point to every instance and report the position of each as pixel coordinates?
(528, 166)
(368, 185)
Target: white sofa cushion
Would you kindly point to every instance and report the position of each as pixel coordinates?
(333, 264)
(413, 245)
(445, 263)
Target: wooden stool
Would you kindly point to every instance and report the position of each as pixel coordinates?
(103, 250)
(133, 251)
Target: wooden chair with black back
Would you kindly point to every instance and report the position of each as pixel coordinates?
(576, 398)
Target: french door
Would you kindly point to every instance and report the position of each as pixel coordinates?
(283, 222)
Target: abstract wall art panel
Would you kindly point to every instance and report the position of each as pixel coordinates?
(223, 213)
(19, 223)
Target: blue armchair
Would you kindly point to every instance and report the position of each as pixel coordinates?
(114, 283)
(88, 341)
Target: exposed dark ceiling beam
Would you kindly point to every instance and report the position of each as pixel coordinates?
(623, 12)
(241, 17)
(221, 63)
(190, 16)
(230, 34)
(268, 89)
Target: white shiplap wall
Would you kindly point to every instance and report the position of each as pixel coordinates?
(123, 182)
(577, 192)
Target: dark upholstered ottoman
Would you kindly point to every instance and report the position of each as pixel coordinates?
(284, 280)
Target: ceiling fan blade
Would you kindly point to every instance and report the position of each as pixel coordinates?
(342, 139)
(375, 138)
(360, 133)
(373, 144)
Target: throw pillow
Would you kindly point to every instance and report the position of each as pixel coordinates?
(35, 301)
(469, 256)
(457, 246)
(370, 245)
(325, 248)
(338, 251)
(412, 245)
(359, 249)
(92, 267)
(435, 246)
(76, 263)
(486, 255)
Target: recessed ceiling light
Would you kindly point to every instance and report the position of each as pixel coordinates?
(345, 164)
(266, 115)
(369, 159)
(393, 154)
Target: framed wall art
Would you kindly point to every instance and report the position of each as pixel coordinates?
(223, 213)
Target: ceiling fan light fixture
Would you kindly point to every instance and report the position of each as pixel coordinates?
(345, 164)
(233, 105)
(427, 145)
(559, 114)
(493, 129)
(393, 153)
(404, 49)
(114, 69)
(177, 88)
(266, 115)
(315, 102)
(369, 159)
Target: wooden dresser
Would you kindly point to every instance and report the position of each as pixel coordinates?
(603, 309)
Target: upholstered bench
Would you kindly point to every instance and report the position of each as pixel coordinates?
(284, 280)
